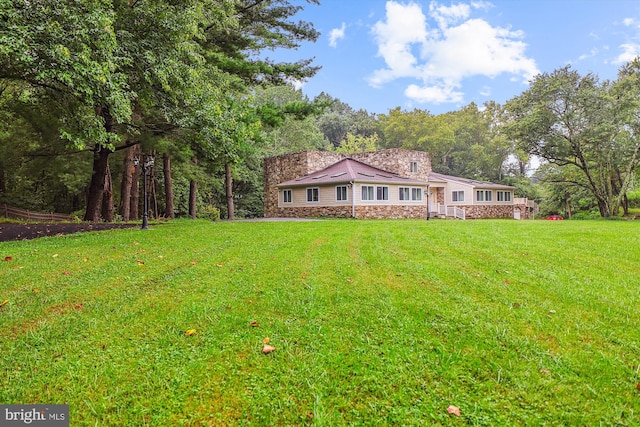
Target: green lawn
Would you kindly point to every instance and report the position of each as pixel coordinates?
(374, 323)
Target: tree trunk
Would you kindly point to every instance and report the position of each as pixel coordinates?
(192, 194)
(228, 183)
(128, 170)
(96, 188)
(168, 189)
(107, 197)
(135, 187)
(100, 168)
(154, 196)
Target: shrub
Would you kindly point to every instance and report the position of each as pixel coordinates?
(209, 212)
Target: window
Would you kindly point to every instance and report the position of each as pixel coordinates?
(382, 193)
(504, 196)
(404, 193)
(484, 195)
(313, 194)
(341, 193)
(457, 196)
(367, 192)
(287, 196)
(416, 194)
(414, 166)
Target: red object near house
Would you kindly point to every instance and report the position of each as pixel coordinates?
(555, 218)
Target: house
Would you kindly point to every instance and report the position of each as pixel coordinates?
(393, 183)
(464, 198)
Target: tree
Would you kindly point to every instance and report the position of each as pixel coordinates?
(575, 121)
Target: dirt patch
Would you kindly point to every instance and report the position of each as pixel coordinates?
(12, 231)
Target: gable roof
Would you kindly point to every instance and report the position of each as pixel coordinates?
(438, 177)
(350, 170)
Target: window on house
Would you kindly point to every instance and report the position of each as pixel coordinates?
(480, 195)
(367, 192)
(457, 196)
(404, 193)
(504, 196)
(416, 194)
(341, 193)
(382, 193)
(414, 166)
(487, 195)
(313, 194)
(287, 196)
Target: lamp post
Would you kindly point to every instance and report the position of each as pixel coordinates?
(146, 165)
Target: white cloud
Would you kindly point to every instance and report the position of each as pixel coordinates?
(631, 49)
(629, 52)
(336, 34)
(441, 57)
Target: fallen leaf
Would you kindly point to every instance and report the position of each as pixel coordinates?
(638, 386)
(552, 311)
(219, 265)
(266, 349)
(506, 282)
(255, 324)
(78, 307)
(8, 258)
(516, 305)
(194, 263)
(190, 332)
(266, 340)
(545, 371)
(160, 256)
(66, 273)
(86, 259)
(136, 243)
(349, 279)
(453, 410)
(54, 256)
(140, 263)
(35, 291)
(3, 303)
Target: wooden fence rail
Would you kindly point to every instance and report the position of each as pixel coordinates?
(15, 213)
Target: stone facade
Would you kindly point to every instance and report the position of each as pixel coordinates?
(370, 212)
(487, 211)
(290, 166)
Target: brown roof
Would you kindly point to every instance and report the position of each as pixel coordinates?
(438, 177)
(350, 170)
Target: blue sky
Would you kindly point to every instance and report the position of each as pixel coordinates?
(440, 55)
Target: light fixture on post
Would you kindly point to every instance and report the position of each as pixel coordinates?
(146, 165)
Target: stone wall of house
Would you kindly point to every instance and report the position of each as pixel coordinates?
(290, 166)
(365, 212)
(488, 211)
(382, 211)
(398, 161)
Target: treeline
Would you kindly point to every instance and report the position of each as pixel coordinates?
(88, 93)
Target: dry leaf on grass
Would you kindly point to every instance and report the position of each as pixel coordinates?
(8, 258)
(3, 303)
(255, 324)
(190, 332)
(266, 349)
(453, 410)
(266, 340)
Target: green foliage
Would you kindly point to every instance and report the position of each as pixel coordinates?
(374, 322)
(209, 212)
(588, 128)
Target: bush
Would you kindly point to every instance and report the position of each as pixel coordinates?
(209, 212)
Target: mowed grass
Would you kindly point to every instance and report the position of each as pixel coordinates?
(374, 323)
